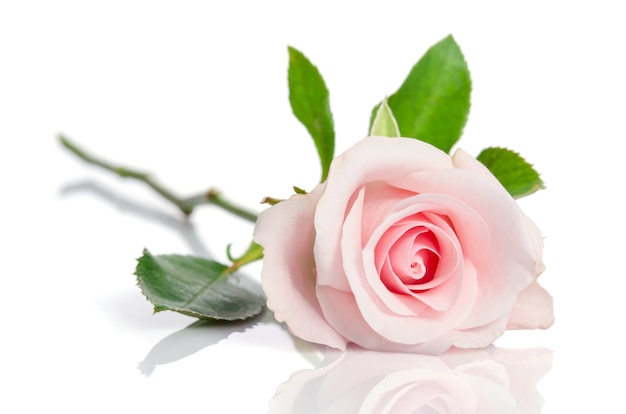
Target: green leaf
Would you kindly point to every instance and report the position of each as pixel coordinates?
(197, 287)
(433, 102)
(514, 173)
(384, 124)
(309, 100)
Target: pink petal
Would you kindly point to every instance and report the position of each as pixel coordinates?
(506, 260)
(371, 159)
(372, 296)
(288, 273)
(534, 309)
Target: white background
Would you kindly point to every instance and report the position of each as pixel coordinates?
(196, 92)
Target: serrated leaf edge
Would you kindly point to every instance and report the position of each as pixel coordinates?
(161, 308)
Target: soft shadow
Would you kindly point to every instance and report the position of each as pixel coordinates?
(201, 333)
(129, 309)
(487, 381)
(177, 223)
(192, 339)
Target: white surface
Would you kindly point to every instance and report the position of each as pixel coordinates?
(196, 92)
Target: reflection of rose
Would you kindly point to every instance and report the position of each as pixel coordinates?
(492, 381)
(403, 248)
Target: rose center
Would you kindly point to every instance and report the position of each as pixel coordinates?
(423, 265)
(418, 269)
(411, 260)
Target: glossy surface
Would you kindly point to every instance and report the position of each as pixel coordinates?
(197, 94)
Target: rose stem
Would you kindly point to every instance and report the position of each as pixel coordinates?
(186, 205)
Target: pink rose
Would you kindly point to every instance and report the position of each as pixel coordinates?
(403, 248)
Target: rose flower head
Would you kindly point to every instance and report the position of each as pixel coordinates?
(403, 248)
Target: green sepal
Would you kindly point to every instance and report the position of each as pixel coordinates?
(310, 103)
(197, 287)
(384, 124)
(272, 201)
(252, 254)
(514, 173)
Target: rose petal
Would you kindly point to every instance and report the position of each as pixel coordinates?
(440, 292)
(371, 295)
(506, 265)
(479, 336)
(343, 314)
(289, 279)
(533, 310)
(380, 199)
(464, 161)
(371, 159)
(404, 303)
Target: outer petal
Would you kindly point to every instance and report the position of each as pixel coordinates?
(464, 161)
(510, 264)
(478, 337)
(343, 313)
(534, 306)
(286, 233)
(533, 309)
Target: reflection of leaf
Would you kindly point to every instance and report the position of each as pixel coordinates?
(190, 340)
(197, 287)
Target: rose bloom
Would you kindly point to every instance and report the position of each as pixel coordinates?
(403, 248)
